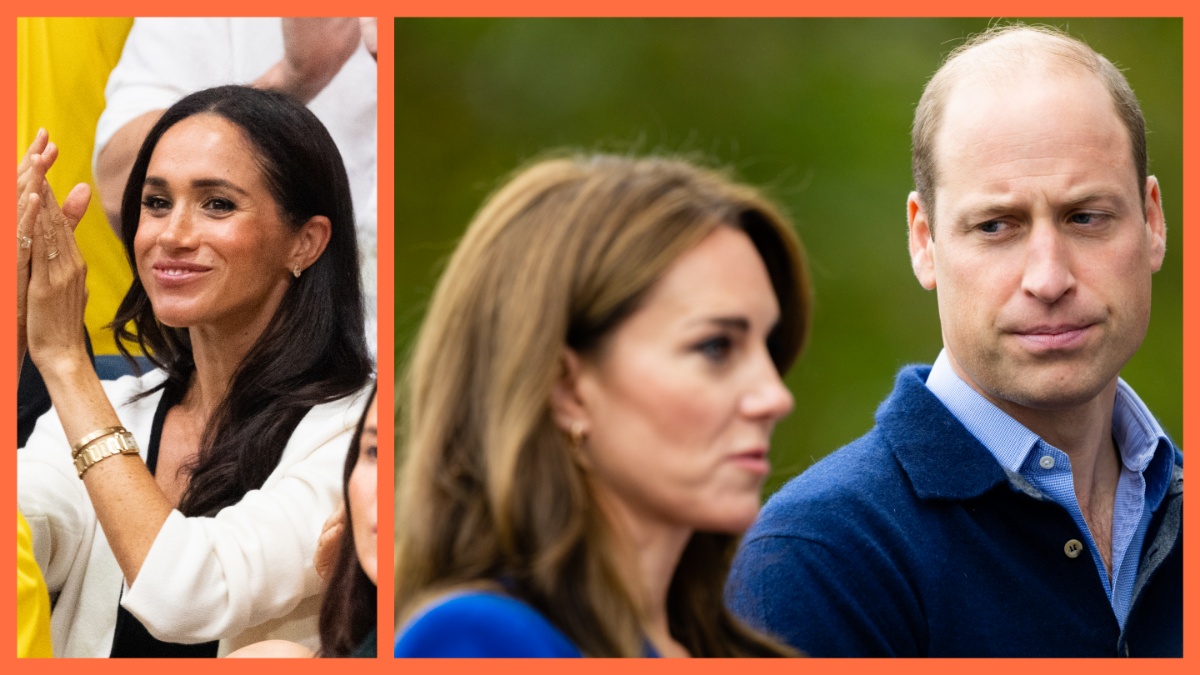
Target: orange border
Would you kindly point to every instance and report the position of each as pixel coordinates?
(849, 8)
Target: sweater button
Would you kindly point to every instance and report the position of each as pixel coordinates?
(1073, 548)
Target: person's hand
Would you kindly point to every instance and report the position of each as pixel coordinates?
(56, 293)
(32, 192)
(31, 172)
(329, 542)
(37, 160)
(314, 50)
(29, 208)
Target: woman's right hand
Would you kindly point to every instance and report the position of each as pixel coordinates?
(52, 296)
(31, 174)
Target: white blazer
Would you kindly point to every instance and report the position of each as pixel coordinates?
(242, 576)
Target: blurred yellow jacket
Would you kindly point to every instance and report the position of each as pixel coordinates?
(62, 67)
(33, 602)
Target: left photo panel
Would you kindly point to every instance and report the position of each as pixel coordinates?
(197, 337)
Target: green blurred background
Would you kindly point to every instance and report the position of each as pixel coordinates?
(816, 111)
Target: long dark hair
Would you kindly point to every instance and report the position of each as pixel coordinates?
(348, 610)
(313, 350)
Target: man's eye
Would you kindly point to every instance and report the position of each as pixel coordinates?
(991, 227)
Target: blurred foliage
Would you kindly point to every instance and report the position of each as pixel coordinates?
(816, 111)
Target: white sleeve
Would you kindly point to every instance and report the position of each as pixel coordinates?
(53, 500)
(49, 492)
(210, 578)
(163, 60)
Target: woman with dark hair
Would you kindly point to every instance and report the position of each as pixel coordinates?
(348, 615)
(588, 411)
(345, 558)
(184, 519)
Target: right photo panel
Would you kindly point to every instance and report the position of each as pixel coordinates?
(788, 337)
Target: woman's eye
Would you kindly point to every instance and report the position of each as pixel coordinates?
(369, 451)
(218, 204)
(154, 203)
(715, 349)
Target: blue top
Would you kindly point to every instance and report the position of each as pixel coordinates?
(914, 541)
(480, 624)
(1146, 461)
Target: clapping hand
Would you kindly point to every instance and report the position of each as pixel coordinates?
(51, 293)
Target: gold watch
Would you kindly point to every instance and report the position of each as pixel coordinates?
(116, 443)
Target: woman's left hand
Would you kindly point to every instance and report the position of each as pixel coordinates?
(57, 293)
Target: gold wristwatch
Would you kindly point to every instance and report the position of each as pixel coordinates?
(116, 443)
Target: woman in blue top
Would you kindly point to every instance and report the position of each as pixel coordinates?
(587, 414)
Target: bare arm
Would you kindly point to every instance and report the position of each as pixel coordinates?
(314, 50)
(129, 504)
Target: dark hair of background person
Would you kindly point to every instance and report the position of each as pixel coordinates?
(314, 349)
(489, 493)
(348, 612)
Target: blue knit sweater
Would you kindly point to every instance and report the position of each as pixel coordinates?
(913, 541)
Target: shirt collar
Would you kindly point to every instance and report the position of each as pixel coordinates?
(1138, 434)
(1007, 439)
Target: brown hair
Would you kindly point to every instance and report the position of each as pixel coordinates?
(488, 492)
(1006, 49)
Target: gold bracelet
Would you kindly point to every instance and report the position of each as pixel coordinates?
(83, 442)
(119, 443)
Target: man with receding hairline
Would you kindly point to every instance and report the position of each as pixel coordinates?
(1016, 498)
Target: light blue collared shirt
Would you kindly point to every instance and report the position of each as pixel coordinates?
(1147, 457)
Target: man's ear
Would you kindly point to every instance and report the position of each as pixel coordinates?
(1156, 223)
(920, 242)
(566, 402)
(310, 242)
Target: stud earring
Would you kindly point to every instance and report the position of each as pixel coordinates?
(296, 270)
(577, 434)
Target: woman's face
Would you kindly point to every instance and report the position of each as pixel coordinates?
(680, 402)
(361, 492)
(211, 247)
